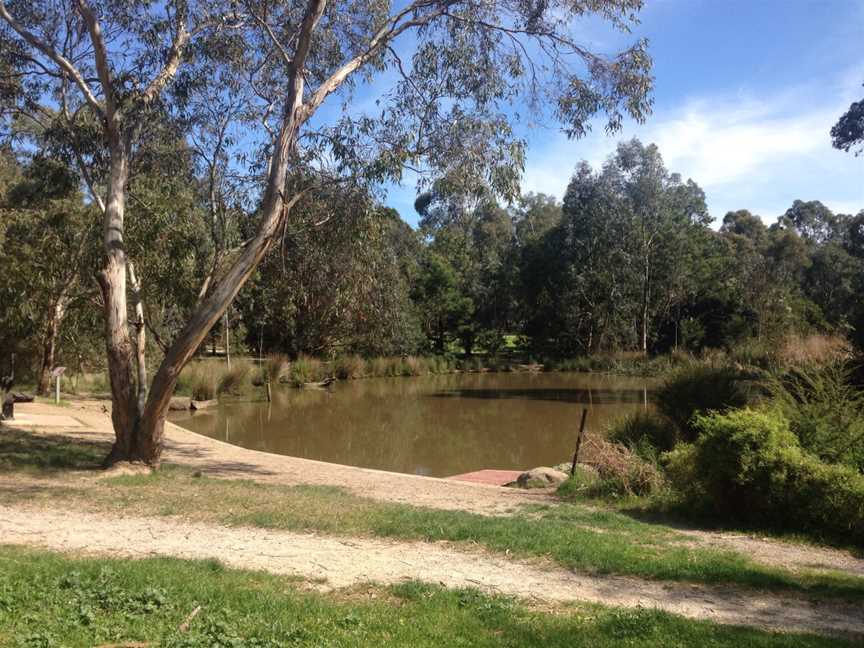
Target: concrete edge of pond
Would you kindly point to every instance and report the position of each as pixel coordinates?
(219, 459)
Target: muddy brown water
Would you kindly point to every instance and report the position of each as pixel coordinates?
(432, 425)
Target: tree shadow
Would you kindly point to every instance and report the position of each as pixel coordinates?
(686, 519)
(21, 450)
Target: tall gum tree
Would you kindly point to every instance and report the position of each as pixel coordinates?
(461, 70)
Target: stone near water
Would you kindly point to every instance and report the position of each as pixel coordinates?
(542, 477)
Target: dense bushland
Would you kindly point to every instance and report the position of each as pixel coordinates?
(780, 451)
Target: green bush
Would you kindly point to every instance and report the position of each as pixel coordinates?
(825, 411)
(748, 466)
(699, 388)
(646, 433)
(583, 483)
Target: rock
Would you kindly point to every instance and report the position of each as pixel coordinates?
(179, 404)
(199, 405)
(542, 477)
(22, 398)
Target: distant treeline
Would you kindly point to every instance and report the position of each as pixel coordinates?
(629, 261)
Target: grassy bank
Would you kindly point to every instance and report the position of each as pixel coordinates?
(571, 535)
(51, 600)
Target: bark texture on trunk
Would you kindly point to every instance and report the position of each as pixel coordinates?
(112, 281)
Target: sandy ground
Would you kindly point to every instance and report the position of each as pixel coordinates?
(340, 562)
(345, 562)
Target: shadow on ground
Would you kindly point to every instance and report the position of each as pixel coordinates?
(25, 450)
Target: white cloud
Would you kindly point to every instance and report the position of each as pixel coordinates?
(744, 151)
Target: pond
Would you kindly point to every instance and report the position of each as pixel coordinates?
(432, 425)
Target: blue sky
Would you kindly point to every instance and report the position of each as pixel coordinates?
(745, 95)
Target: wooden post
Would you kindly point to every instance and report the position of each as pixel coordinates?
(579, 440)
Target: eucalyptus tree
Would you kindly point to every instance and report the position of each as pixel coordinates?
(45, 250)
(848, 133)
(445, 115)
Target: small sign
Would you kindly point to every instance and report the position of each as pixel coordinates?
(58, 371)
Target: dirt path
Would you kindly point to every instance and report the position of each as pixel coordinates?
(348, 561)
(219, 459)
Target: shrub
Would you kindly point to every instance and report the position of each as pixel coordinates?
(202, 381)
(699, 388)
(234, 380)
(306, 369)
(825, 411)
(274, 366)
(748, 466)
(412, 366)
(583, 483)
(349, 367)
(620, 471)
(646, 433)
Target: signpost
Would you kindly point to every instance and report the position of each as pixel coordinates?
(56, 373)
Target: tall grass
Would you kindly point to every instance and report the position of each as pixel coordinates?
(200, 379)
(273, 367)
(234, 380)
(349, 367)
(306, 369)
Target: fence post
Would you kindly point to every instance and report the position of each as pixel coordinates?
(579, 441)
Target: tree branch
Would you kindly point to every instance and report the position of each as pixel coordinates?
(100, 55)
(391, 29)
(175, 55)
(62, 62)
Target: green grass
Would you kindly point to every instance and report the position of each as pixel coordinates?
(50, 600)
(572, 535)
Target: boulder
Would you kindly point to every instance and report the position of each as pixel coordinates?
(542, 477)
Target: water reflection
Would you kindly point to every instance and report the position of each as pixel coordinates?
(436, 425)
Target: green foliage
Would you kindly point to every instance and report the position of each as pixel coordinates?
(582, 483)
(200, 379)
(306, 369)
(699, 388)
(747, 465)
(825, 411)
(274, 366)
(646, 433)
(51, 600)
(234, 380)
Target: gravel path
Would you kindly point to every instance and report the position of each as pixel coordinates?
(348, 561)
